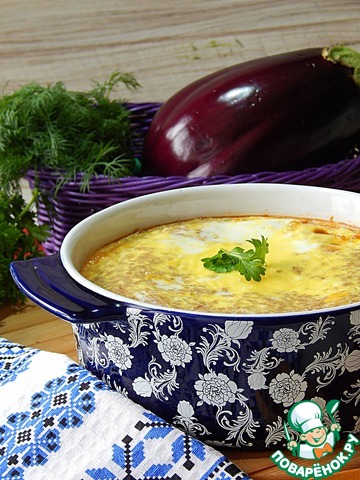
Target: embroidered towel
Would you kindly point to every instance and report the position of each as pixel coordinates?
(60, 422)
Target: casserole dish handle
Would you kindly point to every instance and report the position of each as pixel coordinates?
(46, 282)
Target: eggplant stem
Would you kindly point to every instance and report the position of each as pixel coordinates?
(346, 56)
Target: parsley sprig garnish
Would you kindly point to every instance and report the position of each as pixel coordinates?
(250, 263)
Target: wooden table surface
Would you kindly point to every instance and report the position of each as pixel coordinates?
(166, 44)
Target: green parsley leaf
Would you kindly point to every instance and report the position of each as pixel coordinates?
(251, 263)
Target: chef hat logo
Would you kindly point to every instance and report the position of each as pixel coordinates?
(305, 416)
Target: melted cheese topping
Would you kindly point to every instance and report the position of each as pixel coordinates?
(311, 264)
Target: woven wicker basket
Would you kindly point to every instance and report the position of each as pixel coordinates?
(71, 205)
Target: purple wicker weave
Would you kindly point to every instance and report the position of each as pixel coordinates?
(71, 205)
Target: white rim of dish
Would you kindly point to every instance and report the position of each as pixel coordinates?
(70, 238)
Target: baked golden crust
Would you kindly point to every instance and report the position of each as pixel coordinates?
(311, 264)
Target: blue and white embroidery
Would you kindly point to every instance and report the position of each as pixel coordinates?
(31, 436)
(130, 459)
(35, 441)
(13, 361)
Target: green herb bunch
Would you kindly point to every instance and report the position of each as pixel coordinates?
(66, 132)
(20, 239)
(70, 132)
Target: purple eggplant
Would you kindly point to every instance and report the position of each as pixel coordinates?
(281, 112)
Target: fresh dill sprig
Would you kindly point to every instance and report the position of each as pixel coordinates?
(70, 132)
